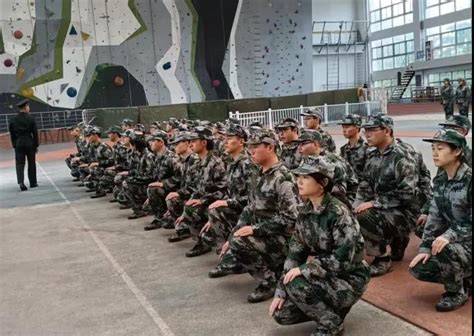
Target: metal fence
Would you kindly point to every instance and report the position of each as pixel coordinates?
(47, 120)
(332, 113)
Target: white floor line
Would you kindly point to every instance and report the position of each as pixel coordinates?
(164, 328)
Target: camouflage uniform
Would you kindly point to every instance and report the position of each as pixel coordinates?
(462, 122)
(166, 172)
(132, 163)
(327, 141)
(290, 156)
(463, 99)
(135, 185)
(88, 157)
(271, 212)
(104, 156)
(447, 99)
(356, 156)
(345, 179)
(74, 166)
(120, 158)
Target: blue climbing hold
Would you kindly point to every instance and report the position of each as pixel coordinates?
(71, 92)
(167, 66)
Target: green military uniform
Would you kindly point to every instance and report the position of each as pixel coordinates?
(271, 213)
(460, 121)
(104, 158)
(450, 216)
(327, 140)
(336, 276)
(463, 98)
(80, 150)
(289, 155)
(390, 183)
(447, 98)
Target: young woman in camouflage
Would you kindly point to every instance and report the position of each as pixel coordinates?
(324, 273)
(445, 253)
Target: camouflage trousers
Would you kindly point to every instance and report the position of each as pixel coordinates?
(324, 301)
(135, 194)
(449, 267)
(194, 218)
(157, 201)
(175, 209)
(448, 109)
(92, 181)
(463, 110)
(381, 227)
(74, 166)
(83, 173)
(107, 179)
(118, 188)
(262, 257)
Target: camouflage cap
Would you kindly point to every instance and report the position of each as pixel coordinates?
(140, 127)
(127, 121)
(159, 135)
(352, 119)
(201, 132)
(94, 130)
(314, 112)
(263, 136)
(181, 136)
(449, 136)
(378, 120)
(236, 130)
(137, 135)
(457, 121)
(114, 129)
(310, 135)
(233, 121)
(128, 133)
(287, 123)
(315, 165)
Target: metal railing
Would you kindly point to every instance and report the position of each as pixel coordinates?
(46, 120)
(332, 113)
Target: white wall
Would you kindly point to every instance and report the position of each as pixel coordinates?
(346, 70)
(334, 10)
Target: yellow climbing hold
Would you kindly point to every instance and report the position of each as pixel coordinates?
(20, 73)
(85, 36)
(27, 92)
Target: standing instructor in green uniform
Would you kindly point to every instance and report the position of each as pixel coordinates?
(24, 137)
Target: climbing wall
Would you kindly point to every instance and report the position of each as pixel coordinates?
(163, 51)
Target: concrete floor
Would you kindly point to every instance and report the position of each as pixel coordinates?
(70, 265)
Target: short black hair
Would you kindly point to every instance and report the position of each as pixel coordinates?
(320, 178)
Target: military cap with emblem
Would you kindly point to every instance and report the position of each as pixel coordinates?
(236, 130)
(313, 164)
(378, 120)
(180, 137)
(263, 136)
(159, 135)
(314, 112)
(127, 121)
(351, 119)
(22, 103)
(287, 123)
(201, 132)
(114, 129)
(309, 135)
(449, 136)
(457, 121)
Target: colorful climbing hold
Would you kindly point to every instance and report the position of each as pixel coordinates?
(27, 92)
(216, 83)
(119, 81)
(20, 73)
(8, 62)
(85, 36)
(73, 31)
(71, 92)
(167, 66)
(18, 34)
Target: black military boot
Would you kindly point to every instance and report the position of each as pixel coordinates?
(220, 272)
(99, 194)
(137, 215)
(113, 200)
(398, 247)
(381, 266)
(261, 293)
(451, 301)
(23, 187)
(154, 225)
(76, 179)
(125, 207)
(34, 185)
(179, 236)
(199, 249)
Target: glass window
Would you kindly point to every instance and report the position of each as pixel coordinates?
(386, 13)
(435, 41)
(377, 53)
(386, 24)
(377, 65)
(374, 4)
(398, 9)
(388, 51)
(463, 4)
(448, 51)
(400, 48)
(463, 36)
(447, 8)
(432, 12)
(430, 3)
(410, 46)
(463, 24)
(375, 16)
(432, 31)
(409, 18)
(448, 39)
(464, 49)
(448, 27)
(375, 27)
(388, 63)
(400, 61)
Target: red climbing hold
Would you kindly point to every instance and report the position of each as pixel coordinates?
(119, 81)
(18, 34)
(8, 63)
(216, 83)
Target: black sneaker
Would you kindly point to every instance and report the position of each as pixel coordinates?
(451, 301)
(167, 224)
(198, 249)
(137, 215)
(154, 225)
(23, 187)
(380, 266)
(99, 194)
(261, 293)
(179, 237)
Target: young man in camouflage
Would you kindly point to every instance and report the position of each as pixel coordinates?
(123, 160)
(355, 150)
(312, 119)
(105, 182)
(259, 242)
(79, 141)
(209, 171)
(385, 202)
(135, 185)
(166, 178)
(447, 98)
(127, 124)
(224, 214)
(288, 133)
(103, 158)
(175, 199)
(445, 253)
(325, 273)
(345, 180)
(463, 97)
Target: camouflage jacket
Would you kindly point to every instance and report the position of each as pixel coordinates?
(463, 96)
(331, 235)
(143, 173)
(104, 155)
(188, 171)
(328, 142)
(210, 177)
(89, 154)
(121, 155)
(356, 156)
(389, 180)
(345, 179)
(451, 209)
(239, 177)
(80, 146)
(423, 174)
(447, 95)
(290, 156)
(272, 205)
(167, 170)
